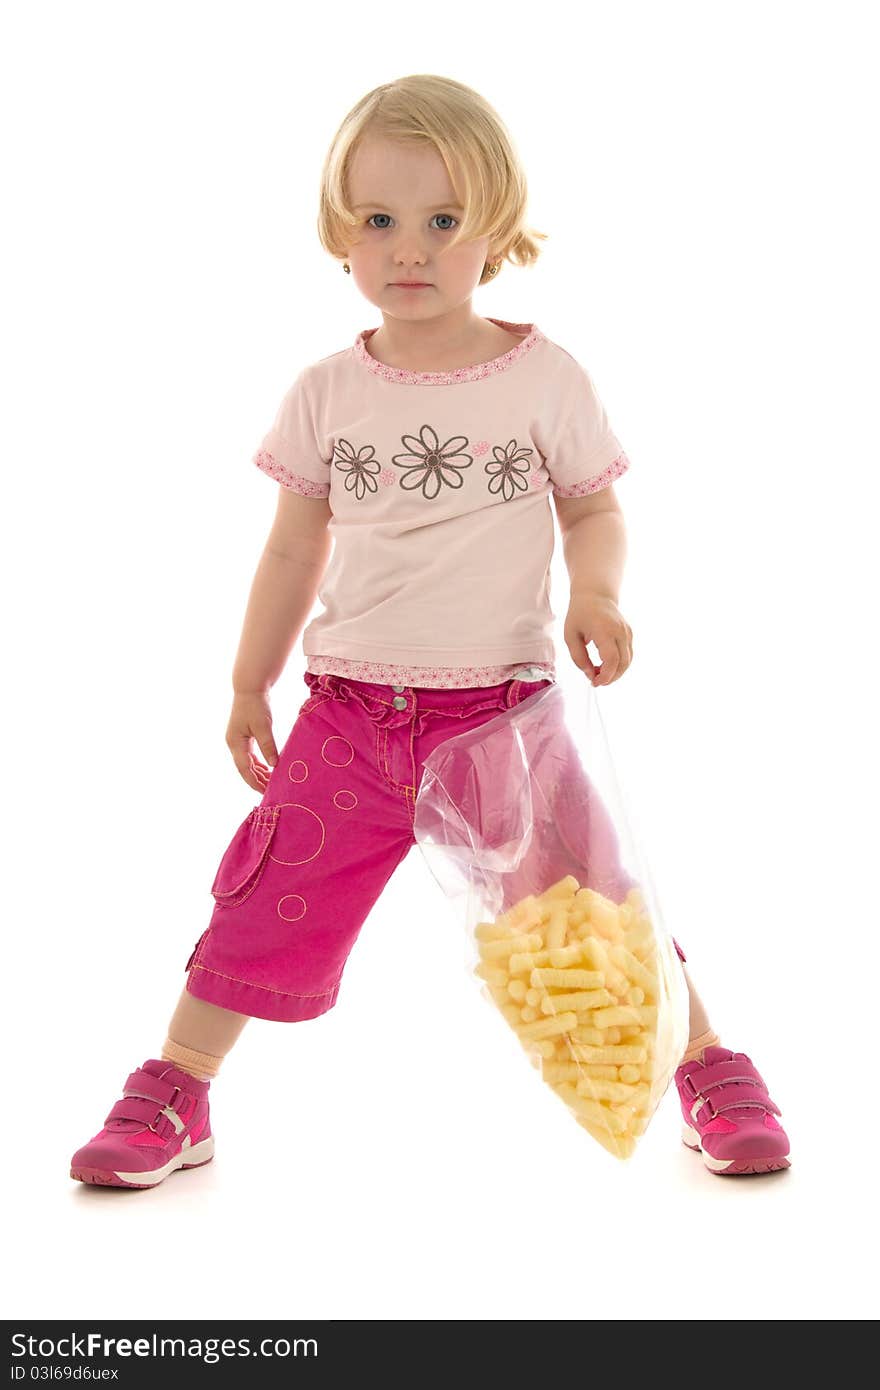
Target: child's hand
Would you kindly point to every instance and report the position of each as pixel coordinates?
(596, 618)
(251, 718)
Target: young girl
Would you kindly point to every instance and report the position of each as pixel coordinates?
(428, 450)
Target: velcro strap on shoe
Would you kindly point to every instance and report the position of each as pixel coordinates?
(733, 1097)
(143, 1083)
(135, 1108)
(707, 1077)
(191, 1085)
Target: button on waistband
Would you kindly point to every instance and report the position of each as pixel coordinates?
(398, 688)
(398, 702)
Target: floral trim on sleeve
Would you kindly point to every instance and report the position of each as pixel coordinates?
(295, 481)
(614, 470)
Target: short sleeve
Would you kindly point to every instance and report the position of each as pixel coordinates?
(584, 455)
(291, 452)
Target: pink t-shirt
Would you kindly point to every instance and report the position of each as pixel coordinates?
(439, 484)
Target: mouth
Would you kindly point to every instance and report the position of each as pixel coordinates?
(410, 285)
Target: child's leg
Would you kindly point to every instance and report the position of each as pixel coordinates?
(200, 1035)
(701, 1033)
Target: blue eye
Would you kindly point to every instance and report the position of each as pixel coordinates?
(447, 215)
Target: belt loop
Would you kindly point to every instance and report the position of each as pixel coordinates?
(513, 693)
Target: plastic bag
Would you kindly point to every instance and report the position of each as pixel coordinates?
(563, 931)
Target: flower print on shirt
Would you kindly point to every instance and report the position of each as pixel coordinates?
(429, 464)
(361, 467)
(510, 467)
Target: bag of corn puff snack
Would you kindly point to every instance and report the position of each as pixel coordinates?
(522, 824)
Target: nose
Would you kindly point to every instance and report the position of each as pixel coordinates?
(408, 256)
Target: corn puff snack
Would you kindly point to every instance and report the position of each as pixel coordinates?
(576, 977)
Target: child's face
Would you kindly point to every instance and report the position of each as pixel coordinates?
(404, 232)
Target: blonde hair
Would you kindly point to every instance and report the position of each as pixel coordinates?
(474, 144)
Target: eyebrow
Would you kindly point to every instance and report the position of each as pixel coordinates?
(377, 203)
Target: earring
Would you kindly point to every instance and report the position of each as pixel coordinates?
(346, 267)
(493, 269)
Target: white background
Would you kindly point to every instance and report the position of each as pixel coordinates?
(706, 175)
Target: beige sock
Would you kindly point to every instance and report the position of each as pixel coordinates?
(216, 1031)
(199, 1064)
(695, 1047)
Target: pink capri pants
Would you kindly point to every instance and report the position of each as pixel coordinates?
(305, 867)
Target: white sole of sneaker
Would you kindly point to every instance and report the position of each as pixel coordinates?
(732, 1167)
(691, 1138)
(191, 1157)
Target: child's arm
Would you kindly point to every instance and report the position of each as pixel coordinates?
(594, 541)
(284, 589)
(594, 544)
(281, 598)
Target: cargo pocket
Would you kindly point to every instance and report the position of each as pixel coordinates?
(242, 865)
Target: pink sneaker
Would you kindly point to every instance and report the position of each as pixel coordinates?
(728, 1115)
(162, 1123)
